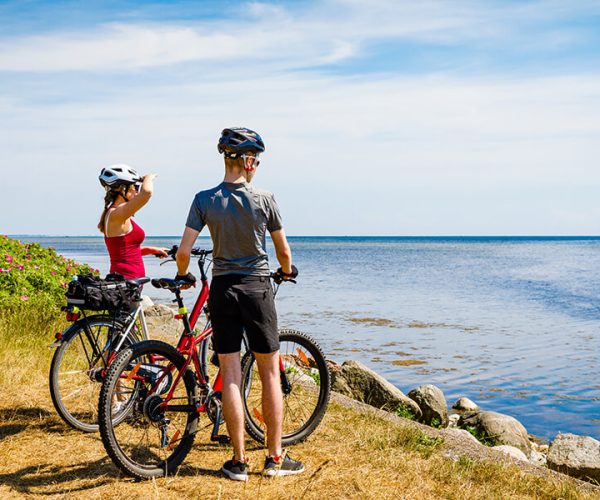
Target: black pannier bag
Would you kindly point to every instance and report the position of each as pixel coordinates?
(109, 294)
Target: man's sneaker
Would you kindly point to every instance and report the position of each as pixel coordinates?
(282, 466)
(238, 471)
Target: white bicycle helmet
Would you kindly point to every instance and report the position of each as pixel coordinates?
(117, 175)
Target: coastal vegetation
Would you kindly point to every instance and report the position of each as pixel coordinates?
(354, 453)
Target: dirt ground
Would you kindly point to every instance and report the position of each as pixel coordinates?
(352, 454)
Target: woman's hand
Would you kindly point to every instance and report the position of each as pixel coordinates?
(147, 184)
(159, 252)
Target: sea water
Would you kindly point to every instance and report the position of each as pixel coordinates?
(512, 323)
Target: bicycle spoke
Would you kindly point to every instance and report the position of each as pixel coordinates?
(151, 435)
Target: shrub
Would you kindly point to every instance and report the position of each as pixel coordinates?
(32, 276)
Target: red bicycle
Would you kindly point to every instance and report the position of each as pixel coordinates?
(166, 389)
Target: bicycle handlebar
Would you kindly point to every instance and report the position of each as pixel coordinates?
(197, 251)
(276, 276)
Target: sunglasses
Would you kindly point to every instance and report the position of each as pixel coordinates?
(137, 187)
(254, 158)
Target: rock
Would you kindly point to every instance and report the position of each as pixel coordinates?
(498, 428)
(432, 403)
(158, 310)
(464, 404)
(357, 381)
(453, 421)
(146, 302)
(578, 456)
(463, 433)
(161, 323)
(511, 451)
(538, 458)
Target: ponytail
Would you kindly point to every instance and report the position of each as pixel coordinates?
(109, 199)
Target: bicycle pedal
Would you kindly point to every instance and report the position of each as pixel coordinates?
(221, 439)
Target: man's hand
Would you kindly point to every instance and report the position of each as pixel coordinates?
(281, 276)
(189, 279)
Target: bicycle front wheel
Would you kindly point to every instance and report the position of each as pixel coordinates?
(161, 424)
(78, 366)
(305, 383)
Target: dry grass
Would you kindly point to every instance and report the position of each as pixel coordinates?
(352, 454)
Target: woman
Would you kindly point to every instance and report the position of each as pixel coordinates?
(126, 193)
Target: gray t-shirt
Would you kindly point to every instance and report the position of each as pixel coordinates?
(238, 217)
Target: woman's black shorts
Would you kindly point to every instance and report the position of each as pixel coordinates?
(240, 302)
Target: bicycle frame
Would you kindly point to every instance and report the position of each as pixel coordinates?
(188, 346)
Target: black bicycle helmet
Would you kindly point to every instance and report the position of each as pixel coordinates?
(235, 141)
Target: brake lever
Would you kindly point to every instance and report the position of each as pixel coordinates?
(166, 261)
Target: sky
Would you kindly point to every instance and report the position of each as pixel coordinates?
(385, 117)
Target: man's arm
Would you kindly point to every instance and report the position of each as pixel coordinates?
(282, 250)
(185, 248)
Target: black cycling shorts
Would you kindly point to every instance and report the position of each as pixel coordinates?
(240, 302)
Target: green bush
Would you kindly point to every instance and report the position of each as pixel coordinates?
(32, 276)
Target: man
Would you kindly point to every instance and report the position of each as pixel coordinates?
(241, 298)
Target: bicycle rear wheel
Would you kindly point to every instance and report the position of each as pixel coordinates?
(78, 366)
(305, 381)
(155, 437)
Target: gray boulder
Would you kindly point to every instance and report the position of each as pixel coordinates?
(464, 404)
(146, 302)
(158, 310)
(355, 380)
(466, 435)
(578, 456)
(453, 420)
(161, 323)
(538, 458)
(511, 451)
(498, 428)
(432, 403)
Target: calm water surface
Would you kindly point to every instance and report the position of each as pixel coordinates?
(512, 323)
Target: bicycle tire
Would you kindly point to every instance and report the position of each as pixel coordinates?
(137, 457)
(65, 381)
(305, 404)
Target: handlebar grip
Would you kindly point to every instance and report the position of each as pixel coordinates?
(173, 251)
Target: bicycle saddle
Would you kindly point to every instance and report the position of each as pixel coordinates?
(169, 283)
(138, 281)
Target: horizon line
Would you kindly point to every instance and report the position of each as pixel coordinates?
(25, 235)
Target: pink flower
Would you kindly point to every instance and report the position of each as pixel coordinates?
(63, 284)
(19, 267)
(24, 298)
(68, 268)
(8, 257)
(2, 270)
(36, 267)
(53, 272)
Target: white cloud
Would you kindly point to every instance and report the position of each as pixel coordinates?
(446, 153)
(378, 154)
(324, 32)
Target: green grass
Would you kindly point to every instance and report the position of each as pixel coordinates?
(481, 436)
(405, 412)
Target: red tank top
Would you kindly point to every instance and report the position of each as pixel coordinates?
(126, 253)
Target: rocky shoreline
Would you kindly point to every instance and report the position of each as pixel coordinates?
(576, 456)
